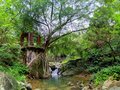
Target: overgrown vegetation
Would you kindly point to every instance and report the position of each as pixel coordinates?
(106, 73)
(98, 49)
(10, 62)
(16, 70)
(92, 45)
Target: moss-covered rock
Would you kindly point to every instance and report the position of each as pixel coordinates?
(7, 82)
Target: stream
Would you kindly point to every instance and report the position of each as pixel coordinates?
(56, 82)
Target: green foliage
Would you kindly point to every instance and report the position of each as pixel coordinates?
(9, 53)
(98, 47)
(9, 58)
(100, 43)
(65, 46)
(93, 69)
(17, 70)
(72, 58)
(51, 19)
(105, 73)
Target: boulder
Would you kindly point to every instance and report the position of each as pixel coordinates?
(68, 73)
(114, 88)
(86, 88)
(25, 86)
(7, 82)
(107, 84)
(54, 65)
(111, 85)
(70, 84)
(28, 86)
(71, 72)
(75, 88)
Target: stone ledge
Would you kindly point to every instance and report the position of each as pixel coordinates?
(36, 49)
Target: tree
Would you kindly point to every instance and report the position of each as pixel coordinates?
(52, 19)
(103, 29)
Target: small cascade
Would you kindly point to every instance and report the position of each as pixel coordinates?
(55, 73)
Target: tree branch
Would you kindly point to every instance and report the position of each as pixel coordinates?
(41, 22)
(60, 14)
(45, 20)
(60, 26)
(51, 12)
(58, 37)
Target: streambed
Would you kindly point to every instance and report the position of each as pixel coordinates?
(58, 83)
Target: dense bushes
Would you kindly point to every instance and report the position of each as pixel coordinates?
(17, 70)
(9, 53)
(10, 61)
(105, 73)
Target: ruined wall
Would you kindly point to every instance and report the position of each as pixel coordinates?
(35, 59)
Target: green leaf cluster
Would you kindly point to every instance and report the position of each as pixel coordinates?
(17, 71)
(104, 74)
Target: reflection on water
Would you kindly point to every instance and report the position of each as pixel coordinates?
(55, 83)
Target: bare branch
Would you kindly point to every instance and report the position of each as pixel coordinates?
(45, 20)
(69, 20)
(60, 14)
(51, 11)
(41, 22)
(59, 27)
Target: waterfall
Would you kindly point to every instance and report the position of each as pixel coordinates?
(55, 73)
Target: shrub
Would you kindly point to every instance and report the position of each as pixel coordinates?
(93, 69)
(9, 54)
(17, 70)
(105, 73)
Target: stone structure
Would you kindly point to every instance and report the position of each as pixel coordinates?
(34, 57)
(30, 39)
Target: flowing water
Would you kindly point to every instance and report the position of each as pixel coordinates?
(55, 73)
